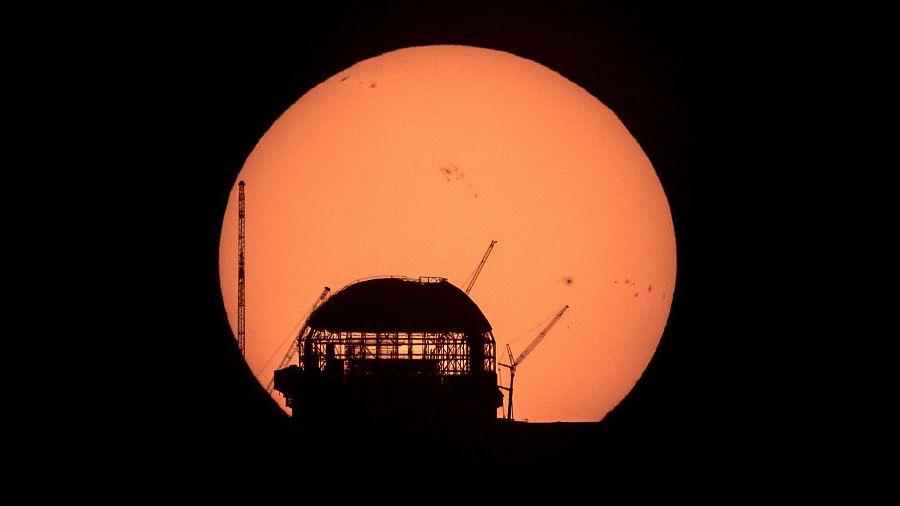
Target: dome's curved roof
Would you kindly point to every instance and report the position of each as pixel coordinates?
(399, 305)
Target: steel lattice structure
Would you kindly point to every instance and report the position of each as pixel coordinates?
(394, 348)
(434, 353)
(242, 307)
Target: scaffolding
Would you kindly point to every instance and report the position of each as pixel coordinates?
(400, 353)
(394, 348)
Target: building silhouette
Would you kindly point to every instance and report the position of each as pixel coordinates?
(394, 348)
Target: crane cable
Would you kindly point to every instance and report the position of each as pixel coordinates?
(291, 335)
(530, 332)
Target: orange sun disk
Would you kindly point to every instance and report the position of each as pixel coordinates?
(411, 162)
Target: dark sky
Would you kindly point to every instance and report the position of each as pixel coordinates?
(199, 88)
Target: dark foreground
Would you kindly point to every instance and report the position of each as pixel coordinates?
(624, 459)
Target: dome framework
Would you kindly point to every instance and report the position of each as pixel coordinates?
(395, 347)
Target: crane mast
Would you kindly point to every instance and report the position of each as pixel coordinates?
(475, 274)
(522, 356)
(241, 316)
(295, 343)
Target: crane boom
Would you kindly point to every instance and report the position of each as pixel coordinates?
(478, 269)
(295, 343)
(513, 364)
(537, 340)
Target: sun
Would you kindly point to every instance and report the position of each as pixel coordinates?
(411, 163)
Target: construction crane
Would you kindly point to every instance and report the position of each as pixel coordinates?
(475, 274)
(241, 318)
(513, 363)
(295, 343)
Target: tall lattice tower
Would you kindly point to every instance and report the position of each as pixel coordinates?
(241, 307)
